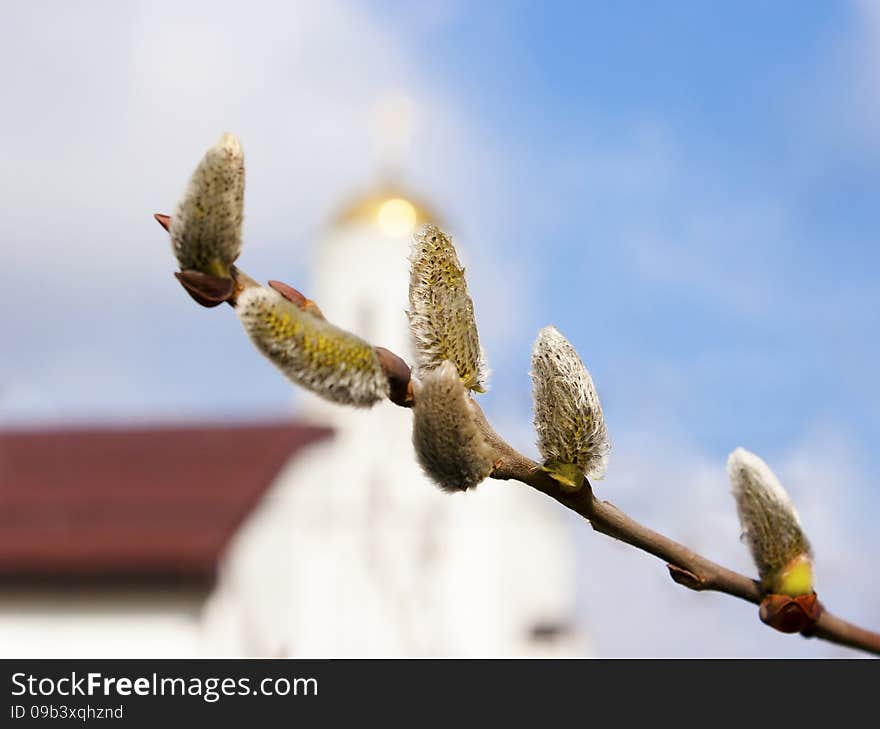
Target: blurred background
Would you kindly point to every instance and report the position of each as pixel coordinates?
(688, 191)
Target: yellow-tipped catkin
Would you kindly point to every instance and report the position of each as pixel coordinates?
(449, 445)
(206, 225)
(441, 313)
(770, 526)
(572, 437)
(311, 352)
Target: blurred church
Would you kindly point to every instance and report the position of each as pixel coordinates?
(353, 551)
(314, 537)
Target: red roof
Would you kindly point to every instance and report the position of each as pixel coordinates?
(133, 504)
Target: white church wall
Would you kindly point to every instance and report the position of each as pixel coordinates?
(87, 623)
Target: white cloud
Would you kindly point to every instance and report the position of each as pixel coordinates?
(862, 58)
(106, 132)
(734, 253)
(113, 131)
(835, 115)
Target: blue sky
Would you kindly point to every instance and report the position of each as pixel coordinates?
(687, 190)
(735, 238)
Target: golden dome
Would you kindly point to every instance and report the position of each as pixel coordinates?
(391, 210)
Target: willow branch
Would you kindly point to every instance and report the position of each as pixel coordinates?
(685, 566)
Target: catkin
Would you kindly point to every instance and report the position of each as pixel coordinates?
(572, 437)
(206, 225)
(770, 524)
(441, 313)
(449, 445)
(311, 352)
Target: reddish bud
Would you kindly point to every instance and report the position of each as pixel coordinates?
(790, 614)
(163, 220)
(295, 297)
(399, 377)
(206, 289)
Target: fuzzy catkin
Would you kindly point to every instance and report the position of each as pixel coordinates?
(206, 225)
(311, 352)
(441, 313)
(769, 521)
(572, 437)
(449, 445)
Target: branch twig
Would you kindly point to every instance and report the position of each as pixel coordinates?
(686, 567)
